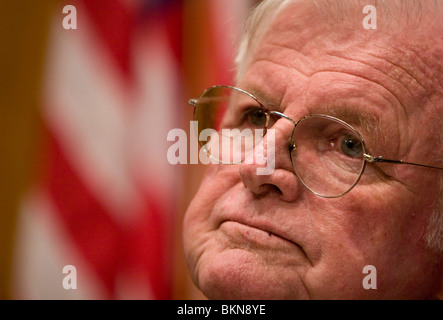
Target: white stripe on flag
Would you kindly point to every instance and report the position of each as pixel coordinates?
(43, 248)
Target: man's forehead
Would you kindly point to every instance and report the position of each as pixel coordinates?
(411, 59)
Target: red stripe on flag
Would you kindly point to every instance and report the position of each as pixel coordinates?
(113, 23)
(87, 222)
(139, 249)
(147, 250)
(167, 20)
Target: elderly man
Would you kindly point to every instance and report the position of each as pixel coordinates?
(353, 208)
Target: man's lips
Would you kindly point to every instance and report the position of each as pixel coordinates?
(257, 235)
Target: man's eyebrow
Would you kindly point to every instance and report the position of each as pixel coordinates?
(363, 120)
(269, 102)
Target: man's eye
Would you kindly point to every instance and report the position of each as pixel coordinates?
(351, 146)
(256, 117)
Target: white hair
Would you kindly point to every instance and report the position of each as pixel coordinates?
(255, 23)
(412, 10)
(407, 13)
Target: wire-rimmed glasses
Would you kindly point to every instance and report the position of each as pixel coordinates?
(328, 155)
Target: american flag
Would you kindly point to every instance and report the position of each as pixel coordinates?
(105, 199)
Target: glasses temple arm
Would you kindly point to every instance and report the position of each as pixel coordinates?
(372, 159)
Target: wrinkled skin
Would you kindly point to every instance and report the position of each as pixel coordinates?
(267, 237)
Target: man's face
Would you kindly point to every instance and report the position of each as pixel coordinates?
(250, 236)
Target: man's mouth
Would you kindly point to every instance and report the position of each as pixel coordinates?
(260, 237)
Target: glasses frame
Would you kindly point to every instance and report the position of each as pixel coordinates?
(367, 157)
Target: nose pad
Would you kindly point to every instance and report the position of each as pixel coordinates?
(292, 146)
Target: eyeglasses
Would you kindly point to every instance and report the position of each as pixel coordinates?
(329, 156)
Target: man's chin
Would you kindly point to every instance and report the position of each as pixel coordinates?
(237, 274)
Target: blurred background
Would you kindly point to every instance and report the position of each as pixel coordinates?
(87, 98)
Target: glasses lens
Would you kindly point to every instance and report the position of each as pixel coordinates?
(230, 123)
(327, 155)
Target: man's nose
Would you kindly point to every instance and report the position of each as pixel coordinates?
(282, 179)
